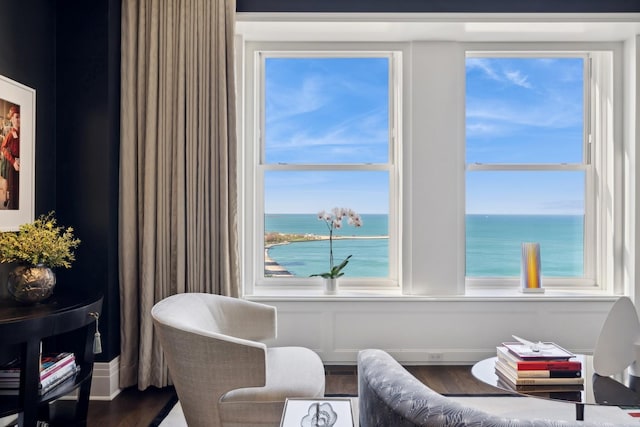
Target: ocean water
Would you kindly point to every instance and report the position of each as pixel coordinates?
(370, 256)
(493, 244)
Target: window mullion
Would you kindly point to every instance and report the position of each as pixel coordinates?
(327, 167)
(526, 167)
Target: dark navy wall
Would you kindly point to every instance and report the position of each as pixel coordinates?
(69, 52)
(27, 55)
(87, 149)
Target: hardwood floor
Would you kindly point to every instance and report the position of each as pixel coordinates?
(134, 408)
(443, 379)
(131, 408)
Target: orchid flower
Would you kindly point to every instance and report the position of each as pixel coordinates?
(333, 221)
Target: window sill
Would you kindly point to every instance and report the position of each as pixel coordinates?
(478, 294)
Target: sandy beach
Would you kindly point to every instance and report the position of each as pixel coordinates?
(273, 269)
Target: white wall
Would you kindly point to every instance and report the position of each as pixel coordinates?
(429, 330)
(631, 130)
(433, 246)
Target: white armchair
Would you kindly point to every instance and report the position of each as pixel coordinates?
(223, 374)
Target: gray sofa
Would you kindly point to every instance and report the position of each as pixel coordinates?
(389, 396)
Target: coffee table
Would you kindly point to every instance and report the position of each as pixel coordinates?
(619, 390)
(330, 411)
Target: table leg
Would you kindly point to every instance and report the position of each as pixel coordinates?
(30, 380)
(580, 411)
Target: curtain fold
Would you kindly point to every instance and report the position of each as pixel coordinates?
(178, 184)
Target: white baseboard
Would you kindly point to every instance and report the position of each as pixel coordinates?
(105, 382)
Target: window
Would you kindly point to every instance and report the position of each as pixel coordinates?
(325, 138)
(529, 166)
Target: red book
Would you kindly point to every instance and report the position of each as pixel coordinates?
(506, 356)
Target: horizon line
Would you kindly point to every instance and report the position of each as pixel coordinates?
(466, 214)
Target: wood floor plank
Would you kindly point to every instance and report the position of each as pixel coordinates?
(451, 380)
(131, 408)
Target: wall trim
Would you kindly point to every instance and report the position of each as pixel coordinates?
(105, 382)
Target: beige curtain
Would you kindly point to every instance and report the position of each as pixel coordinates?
(178, 207)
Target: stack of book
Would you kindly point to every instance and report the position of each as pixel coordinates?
(54, 370)
(552, 372)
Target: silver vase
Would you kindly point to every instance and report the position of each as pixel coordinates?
(31, 284)
(330, 286)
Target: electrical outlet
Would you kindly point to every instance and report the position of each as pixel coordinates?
(435, 357)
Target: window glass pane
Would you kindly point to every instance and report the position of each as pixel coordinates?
(524, 110)
(505, 209)
(326, 110)
(296, 240)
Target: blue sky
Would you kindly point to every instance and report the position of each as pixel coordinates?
(335, 110)
(332, 110)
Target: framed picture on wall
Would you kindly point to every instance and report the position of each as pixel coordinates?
(17, 154)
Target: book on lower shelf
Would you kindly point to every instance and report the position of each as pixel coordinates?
(10, 370)
(64, 376)
(61, 379)
(54, 369)
(50, 362)
(9, 383)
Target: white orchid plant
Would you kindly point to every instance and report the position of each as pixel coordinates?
(333, 221)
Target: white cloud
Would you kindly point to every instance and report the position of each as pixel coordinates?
(349, 134)
(285, 102)
(552, 115)
(483, 129)
(515, 77)
(483, 65)
(518, 79)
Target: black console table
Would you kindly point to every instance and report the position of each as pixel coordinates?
(62, 323)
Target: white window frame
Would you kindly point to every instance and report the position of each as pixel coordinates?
(598, 270)
(254, 153)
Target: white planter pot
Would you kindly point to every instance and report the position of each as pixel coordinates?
(330, 286)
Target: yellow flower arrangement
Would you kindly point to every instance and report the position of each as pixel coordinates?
(41, 242)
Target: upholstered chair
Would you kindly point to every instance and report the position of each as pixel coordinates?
(223, 374)
(389, 396)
